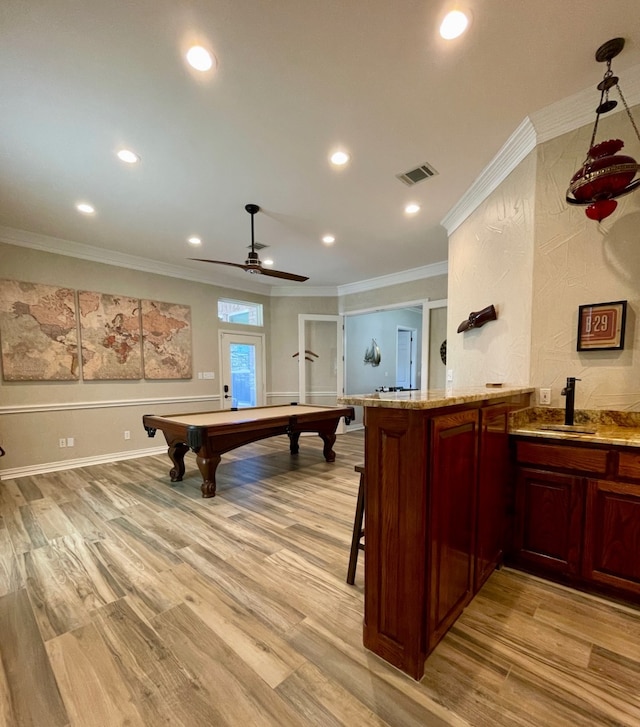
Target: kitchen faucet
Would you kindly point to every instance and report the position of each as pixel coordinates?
(570, 392)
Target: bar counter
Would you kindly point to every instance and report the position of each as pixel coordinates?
(436, 483)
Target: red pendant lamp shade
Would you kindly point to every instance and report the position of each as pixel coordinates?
(605, 174)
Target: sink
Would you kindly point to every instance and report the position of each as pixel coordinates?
(568, 428)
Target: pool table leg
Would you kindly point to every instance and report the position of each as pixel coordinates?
(329, 440)
(207, 466)
(294, 447)
(177, 450)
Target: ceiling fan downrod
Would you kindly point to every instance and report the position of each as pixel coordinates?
(253, 261)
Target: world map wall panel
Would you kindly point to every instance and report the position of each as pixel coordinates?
(110, 335)
(121, 337)
(38, 332)
(166, 336)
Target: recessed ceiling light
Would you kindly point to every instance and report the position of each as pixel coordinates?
(85, 208)
(412, 208)
(200, 58)
(340, 158)
(453, 25)
(267, 261)
(194, 240)
(328, 239)
(128, 156)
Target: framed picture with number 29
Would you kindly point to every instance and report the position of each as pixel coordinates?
(601, 326)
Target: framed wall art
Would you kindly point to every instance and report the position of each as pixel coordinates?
(601, 326)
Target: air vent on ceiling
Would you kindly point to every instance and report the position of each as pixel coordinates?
(257, 246)
(413, 176)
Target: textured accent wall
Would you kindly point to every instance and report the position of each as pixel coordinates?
(537, 259)
(491, 262)
(578, 261)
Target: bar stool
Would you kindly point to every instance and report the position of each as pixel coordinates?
(358, 530)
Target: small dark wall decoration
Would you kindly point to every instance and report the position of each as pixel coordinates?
(601, 326)
(478, 319)
(443, 352)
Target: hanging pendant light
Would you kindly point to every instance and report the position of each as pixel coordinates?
(605, 174)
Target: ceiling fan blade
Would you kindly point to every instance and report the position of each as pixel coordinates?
(285, 276)
(220, 262)
(256, 268)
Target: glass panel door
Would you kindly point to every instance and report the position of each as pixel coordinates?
(242, 370)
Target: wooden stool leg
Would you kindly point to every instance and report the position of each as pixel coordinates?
(358, 531)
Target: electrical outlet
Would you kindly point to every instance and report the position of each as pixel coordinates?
(545, 396)
(71, 442)
(62, 442)
(127, 434)
(449, 374)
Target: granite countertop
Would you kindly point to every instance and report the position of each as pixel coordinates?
(595, 426)
(433, 398)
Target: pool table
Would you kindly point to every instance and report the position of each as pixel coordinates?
(211, 434)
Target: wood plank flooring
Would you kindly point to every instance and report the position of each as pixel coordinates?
(125, 600)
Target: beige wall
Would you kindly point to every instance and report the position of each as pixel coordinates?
(283, 342)
(525, 250)
(34, 415)
(434, 288)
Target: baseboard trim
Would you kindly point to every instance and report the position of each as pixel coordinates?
(69, 464)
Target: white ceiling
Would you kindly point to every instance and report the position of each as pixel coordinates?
(296, 79)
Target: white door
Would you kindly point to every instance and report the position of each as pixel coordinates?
(242, 370)
(405, 357)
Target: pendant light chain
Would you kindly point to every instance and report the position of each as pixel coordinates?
(631, 119)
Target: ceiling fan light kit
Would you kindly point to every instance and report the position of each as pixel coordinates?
(252, 264)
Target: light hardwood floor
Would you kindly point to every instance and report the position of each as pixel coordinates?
(127, 601)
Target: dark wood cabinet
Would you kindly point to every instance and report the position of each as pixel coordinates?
(577, 515)
(548, 528)
(612, 535)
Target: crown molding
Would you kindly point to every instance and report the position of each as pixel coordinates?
(406, 276)
(58, 246)
(518, 145)
(578, 110)
(300, 291)
(566, 115)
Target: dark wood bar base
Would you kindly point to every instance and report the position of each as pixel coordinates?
(435, 518)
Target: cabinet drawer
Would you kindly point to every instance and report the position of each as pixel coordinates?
(574, 458)
(629, 464)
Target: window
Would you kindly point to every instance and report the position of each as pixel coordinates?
(239, 311)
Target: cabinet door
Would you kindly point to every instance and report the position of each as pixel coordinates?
(548, 521)
(612, 535)
(493, 480)
(451, 534)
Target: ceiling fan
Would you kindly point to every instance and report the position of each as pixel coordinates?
(252, 264)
